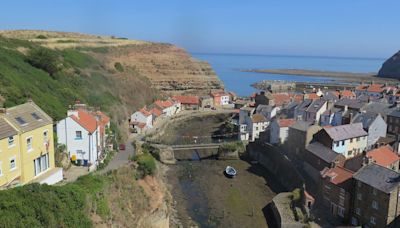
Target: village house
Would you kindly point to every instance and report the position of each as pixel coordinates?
(332, 117)
(267, 111)
(245, 114)
(258, 124)
(336, 189)
(80, 133)
(372, 90)
(279, 130)
(206, 102)
(317, 157)
(264, 98)
(289, 110)
(103, 121)
(300, 110)
(188, 102)
(26, 147)
(376, 197)
(301, 134)
(141, 120)
(168, 107)
(348, 94)
(314, 111)
(374, 125)
(349, 139)
(221, 98)
(393, 122)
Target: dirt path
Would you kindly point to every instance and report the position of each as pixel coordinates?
(205, 194)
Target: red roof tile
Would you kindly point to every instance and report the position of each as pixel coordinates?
(338, 174)
(383, 156)
(145, 112)
(281, 98)
(286, 122)
(312, 96)
(347, 93)
(164, 104)
(190, 100)
(86, 120)
(156, 112)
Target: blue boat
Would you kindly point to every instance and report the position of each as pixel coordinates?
(230, 171)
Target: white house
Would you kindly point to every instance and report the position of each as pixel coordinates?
(80, 133)
(258, 124)
(279, 130)
(142, 120)
(168, 107)
(245, 115)
(221, 98)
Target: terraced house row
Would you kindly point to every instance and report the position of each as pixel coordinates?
(26, 147)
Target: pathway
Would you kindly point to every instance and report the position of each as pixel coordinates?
(121, 158)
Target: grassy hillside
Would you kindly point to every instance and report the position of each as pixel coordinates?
(78, 76)
(92, 198)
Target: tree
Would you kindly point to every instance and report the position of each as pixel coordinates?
(44, 59)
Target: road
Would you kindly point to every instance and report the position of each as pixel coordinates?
(121, 158)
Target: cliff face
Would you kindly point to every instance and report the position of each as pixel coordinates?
(169, 68)
(391, 67)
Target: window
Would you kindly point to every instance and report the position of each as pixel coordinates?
(351, 140)
(45, 136)
(359, 196)
(21, 121)
(29, 143)
(11, 141)
(341, 211)
(374, 191)
(13, 163)
(41, 164)
(36, 116)
(358, 211)
(358, 139)
(78, 135)
(337, 143)
(349, 152)
(375, 204)
(372, 220)
(343, 142)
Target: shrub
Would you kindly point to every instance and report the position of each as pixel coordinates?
(147, 164)
(118, 66)
(43, 59)
(41, 37)
(232, 146)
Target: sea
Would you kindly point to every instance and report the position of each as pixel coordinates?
(228, 68)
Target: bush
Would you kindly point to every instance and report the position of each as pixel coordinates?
(232, 146)
(118, 66)
(147, 164)
(41, 37)
(44, 59)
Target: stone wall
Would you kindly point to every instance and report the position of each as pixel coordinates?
(278, 164)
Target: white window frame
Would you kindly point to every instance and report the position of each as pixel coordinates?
(78, 138)
(31, 144)
(372, 220)
(13, 141)
(374, 191)
(359, 196)
(375, 205)
(358, 211)
(15, 163)
(340, 211)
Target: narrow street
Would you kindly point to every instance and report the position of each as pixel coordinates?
(121, 158)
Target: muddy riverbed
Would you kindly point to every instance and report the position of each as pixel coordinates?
(204, 196)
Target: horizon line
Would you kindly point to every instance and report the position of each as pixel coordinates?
(289, 55)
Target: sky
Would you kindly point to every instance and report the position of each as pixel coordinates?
(348, 28)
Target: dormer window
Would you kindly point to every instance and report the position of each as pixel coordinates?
(21, 121)
(36, 116)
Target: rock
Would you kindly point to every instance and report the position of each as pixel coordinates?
(391, 67)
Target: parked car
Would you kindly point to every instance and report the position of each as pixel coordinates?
(122, 147)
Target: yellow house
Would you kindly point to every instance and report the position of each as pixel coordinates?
(35, 140)
(10, 161)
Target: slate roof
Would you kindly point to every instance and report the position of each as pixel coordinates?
(347, 131)
(303, 105)
(301, 125)
(351, 103)
(365, 118)
(330, 95)
(378, 107)
(322, 152)
(395, 113)
(316, 105)
(27, 117)
(6, 130)
(378, 177)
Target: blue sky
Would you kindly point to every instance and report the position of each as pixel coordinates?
(362, 28)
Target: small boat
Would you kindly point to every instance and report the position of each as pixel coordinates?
(230, 171)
